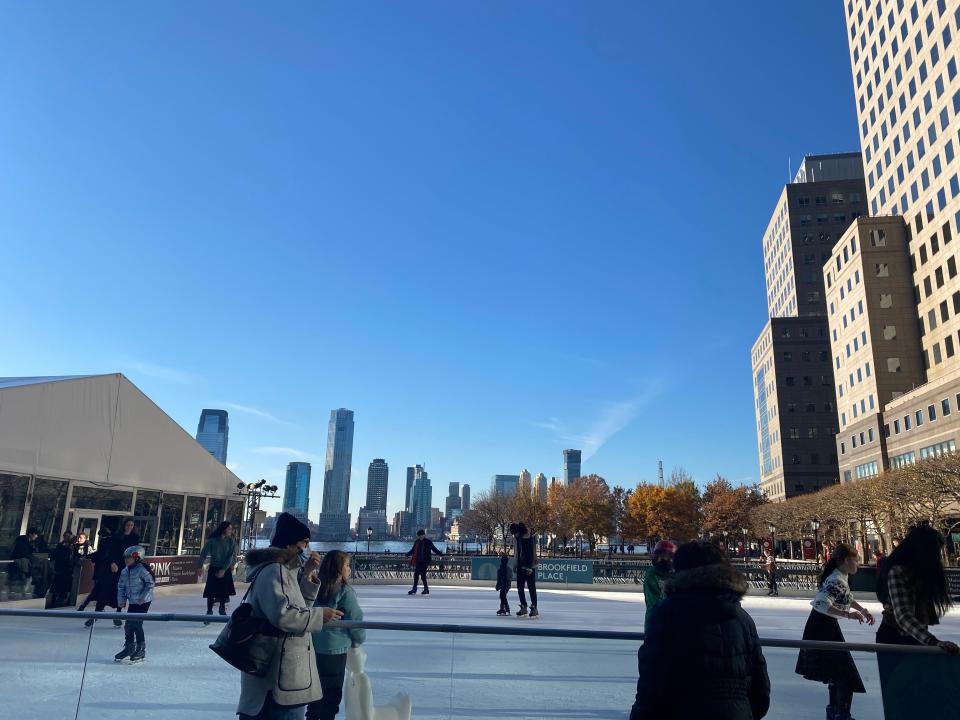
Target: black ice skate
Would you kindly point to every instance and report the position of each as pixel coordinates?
(139, 655)
(522, 611)
(128, 650)
(534, 612)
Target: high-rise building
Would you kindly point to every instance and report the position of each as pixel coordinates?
(794, 396)
(412, 474)
(505, 484)
(402, 525)
(422, 499)
(453, 502)
(540, 486)
(335, 515)
(296, 492)
(436, 520)
(373, 515)
(525, 482)
(571, 465)
(904, 65)
(213, 431)
(465, 497)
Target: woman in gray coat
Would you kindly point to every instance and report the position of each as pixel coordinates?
(283, 593)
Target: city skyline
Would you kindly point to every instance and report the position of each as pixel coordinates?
(579, 155)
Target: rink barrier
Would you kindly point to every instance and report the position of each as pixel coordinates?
(448, 628)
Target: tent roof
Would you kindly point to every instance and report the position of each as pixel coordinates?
(103, 429)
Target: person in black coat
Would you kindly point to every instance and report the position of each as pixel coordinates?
(702, 657)
(420, 555)
(503, 584)
(62, 557)
(106, 574)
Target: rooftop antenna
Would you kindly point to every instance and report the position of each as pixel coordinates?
(789, 170)
(660, 472)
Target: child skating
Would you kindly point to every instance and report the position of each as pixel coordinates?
(503, 584)
(136, 586)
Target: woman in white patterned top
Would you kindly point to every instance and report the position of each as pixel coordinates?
(835, 668)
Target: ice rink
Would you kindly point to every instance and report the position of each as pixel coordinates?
(447, 676)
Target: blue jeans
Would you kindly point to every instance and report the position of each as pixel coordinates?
(272, 711)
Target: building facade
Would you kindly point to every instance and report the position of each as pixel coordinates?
(571, 465)
(213, 432)
(505, 484)
(454, 502)
(296, 491)
(422, 499)
(540, 486)
(373, 515)
(335, 515)
(465, 497)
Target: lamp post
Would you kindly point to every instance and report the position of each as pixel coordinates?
(369, 535)
(253, 493)
(815, 524)
(726, 547)
(745, 532)
(773, 537)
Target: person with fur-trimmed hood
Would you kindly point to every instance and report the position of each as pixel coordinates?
(700, 631)
(283, 593)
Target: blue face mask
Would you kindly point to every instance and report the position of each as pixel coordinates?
(304, 555)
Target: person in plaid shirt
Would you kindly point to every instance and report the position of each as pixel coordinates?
(915, 595)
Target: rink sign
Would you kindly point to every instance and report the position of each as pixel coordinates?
(548, 570)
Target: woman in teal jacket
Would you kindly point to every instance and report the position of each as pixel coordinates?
(221, 548)
(331, 644)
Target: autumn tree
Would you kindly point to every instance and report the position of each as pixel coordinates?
(728, 508)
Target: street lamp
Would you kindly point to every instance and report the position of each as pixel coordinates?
(369, 535)
(745, 532)
(773, 537)
(815, 524)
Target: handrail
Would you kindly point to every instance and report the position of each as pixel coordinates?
(472, 630)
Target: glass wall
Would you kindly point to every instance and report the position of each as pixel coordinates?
(13, 496)
(47, 507)
(171, 515)
(94, 498)
(193, 525)
(235, 516)
(145, 511)
(215, 515)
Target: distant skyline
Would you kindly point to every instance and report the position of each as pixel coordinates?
(493, 231)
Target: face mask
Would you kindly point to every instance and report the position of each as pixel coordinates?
(662, 565)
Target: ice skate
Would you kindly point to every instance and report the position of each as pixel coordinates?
(522, 611)
(207, 622)
(128, 650)
(534, 612)
(412, 592)
(139, 655)
(425, 592)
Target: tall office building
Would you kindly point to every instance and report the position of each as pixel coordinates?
(412, 474)
(904, 64)
(465, 498)
(525, 482)
(373, 515)
(296, 492)
(540, 486)
(453, 506)
(422, 499)
(794, 396)
(571, 465)
(505, 484)
(213, 431)
(335, 515)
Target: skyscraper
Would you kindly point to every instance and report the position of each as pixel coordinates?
(412, 473)
(525, 482)
(505, 484)
(213, 431)
(296, 492)
(373, 515)
(571, 465)
(540, 486)
(335, 515)
(453, 503)
(794, 396)
(465, 498)
(422, 499)
(904, 65)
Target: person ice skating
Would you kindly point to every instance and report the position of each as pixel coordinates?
(420, 555)
(835, 668)
(331, 644)
(526, 568)
(136, 587)
(772, 573)
(702, 657)
(63, 561)
(283, 593)
(105, 580)
(915, 595)
(655, 577)
(503, 584)
(221, 548)
(129, 537)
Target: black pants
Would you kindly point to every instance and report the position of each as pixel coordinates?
(531, 582)
(332, 669)
(133, 629)
(210, 604)
(504, 603)
(420, 571)
(841, 697)
(773, 583)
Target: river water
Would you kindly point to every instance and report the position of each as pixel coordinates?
(376, 546)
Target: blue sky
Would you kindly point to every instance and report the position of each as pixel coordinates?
(493, 230)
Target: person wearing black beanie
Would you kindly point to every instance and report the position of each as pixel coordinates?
(289, 530)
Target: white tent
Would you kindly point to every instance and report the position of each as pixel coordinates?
(101, 428)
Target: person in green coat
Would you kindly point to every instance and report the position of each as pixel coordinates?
(221, 548)
(331, 644)
(655, 577)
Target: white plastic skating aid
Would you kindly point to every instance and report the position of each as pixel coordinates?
(359, 694)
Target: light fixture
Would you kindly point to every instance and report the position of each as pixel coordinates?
(815, 524)
(241, 486)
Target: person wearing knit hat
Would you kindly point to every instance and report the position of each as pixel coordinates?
(283, 589)
(656, 576)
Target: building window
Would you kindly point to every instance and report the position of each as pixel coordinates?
(886, 300)
(896, 427)
(889, 332)
(893, 365)
(945, 407)
(932, 412)
(902, 460)
(919, 417)
(13, 490)
(943, 448)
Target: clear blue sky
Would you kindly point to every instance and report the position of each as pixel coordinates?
(493, 230)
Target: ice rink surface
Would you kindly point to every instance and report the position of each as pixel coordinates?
(447, 676)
